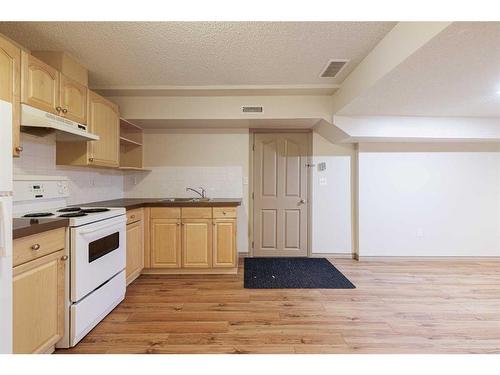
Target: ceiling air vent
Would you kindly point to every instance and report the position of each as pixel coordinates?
(252, 109)
(333, 68)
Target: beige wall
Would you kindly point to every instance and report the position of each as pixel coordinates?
(217, 159)
(332, 197)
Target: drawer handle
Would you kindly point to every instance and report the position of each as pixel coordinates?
(224, 212)
(64, 258)
(178, 223)
(35, 246)
(132, 216)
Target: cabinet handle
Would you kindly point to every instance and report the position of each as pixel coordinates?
(178, 223)
(59, 109)
(132, 216)
(91, 159)
(35, 247)
(64, 110)
(64, 257)
(19, 148)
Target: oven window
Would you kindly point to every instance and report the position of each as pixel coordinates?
(103, 246)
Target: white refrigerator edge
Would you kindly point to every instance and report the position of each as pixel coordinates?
(5, 227)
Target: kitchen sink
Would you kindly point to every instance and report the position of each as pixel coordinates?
(185, 200)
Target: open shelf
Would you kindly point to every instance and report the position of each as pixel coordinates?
(129, 141)
(135, 169)
(131, 152)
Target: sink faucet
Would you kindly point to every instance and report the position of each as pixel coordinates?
(202, 194)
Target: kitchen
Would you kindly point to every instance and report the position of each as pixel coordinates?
(167, 210)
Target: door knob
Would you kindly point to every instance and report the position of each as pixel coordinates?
(302, 201)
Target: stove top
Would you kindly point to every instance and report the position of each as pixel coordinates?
(47, 197)
(77, 215)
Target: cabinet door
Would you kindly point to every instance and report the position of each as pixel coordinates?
(135, 250)
(10, 86)
(103, 119)
(224, 254)
(38, 297)
(165, 243)
(40, 84)
(73, 99)
(197, 243)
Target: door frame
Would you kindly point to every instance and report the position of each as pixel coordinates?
(251, 141)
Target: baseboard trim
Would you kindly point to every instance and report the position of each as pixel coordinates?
(427, 258)
(190, 271)
(315, 255)
(332, 255)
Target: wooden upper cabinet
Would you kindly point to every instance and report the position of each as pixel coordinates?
(10, 86)
(40, 84)
(197, 243)
(103, 119)
(73, 99)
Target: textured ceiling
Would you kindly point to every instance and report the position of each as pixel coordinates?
(204, 53)
(456, 74)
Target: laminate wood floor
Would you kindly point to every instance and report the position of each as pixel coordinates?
(410, 306)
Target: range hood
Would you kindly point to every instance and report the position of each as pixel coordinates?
(35, 120)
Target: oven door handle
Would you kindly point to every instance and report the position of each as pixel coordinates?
(118, 226)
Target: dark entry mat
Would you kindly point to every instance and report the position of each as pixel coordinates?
(299, 273)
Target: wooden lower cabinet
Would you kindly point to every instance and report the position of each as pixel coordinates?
(38, 298)
(191, 240)
(196, 243)
(135, 250)
(165, 243)
(224, 248)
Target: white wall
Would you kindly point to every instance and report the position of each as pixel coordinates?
(215, 159)
(427, 203)
(331, 197)
(86, 184)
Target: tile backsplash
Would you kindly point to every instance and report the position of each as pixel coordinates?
(161, 182)
(86, 184)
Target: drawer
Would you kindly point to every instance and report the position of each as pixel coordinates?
(165, 213)
(135, 215)
(222, 212)
(38, 245)
(196, 212)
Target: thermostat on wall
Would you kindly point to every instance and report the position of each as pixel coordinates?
(322, 166)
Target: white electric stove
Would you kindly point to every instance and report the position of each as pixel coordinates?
(96, 246)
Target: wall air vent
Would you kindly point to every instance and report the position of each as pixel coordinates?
(333, 67)
(252, 109)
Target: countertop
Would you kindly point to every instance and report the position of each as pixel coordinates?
(28, 227)
(131, 203)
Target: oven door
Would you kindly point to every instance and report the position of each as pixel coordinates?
(98, 252)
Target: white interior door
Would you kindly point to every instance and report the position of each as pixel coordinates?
(280, 194)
